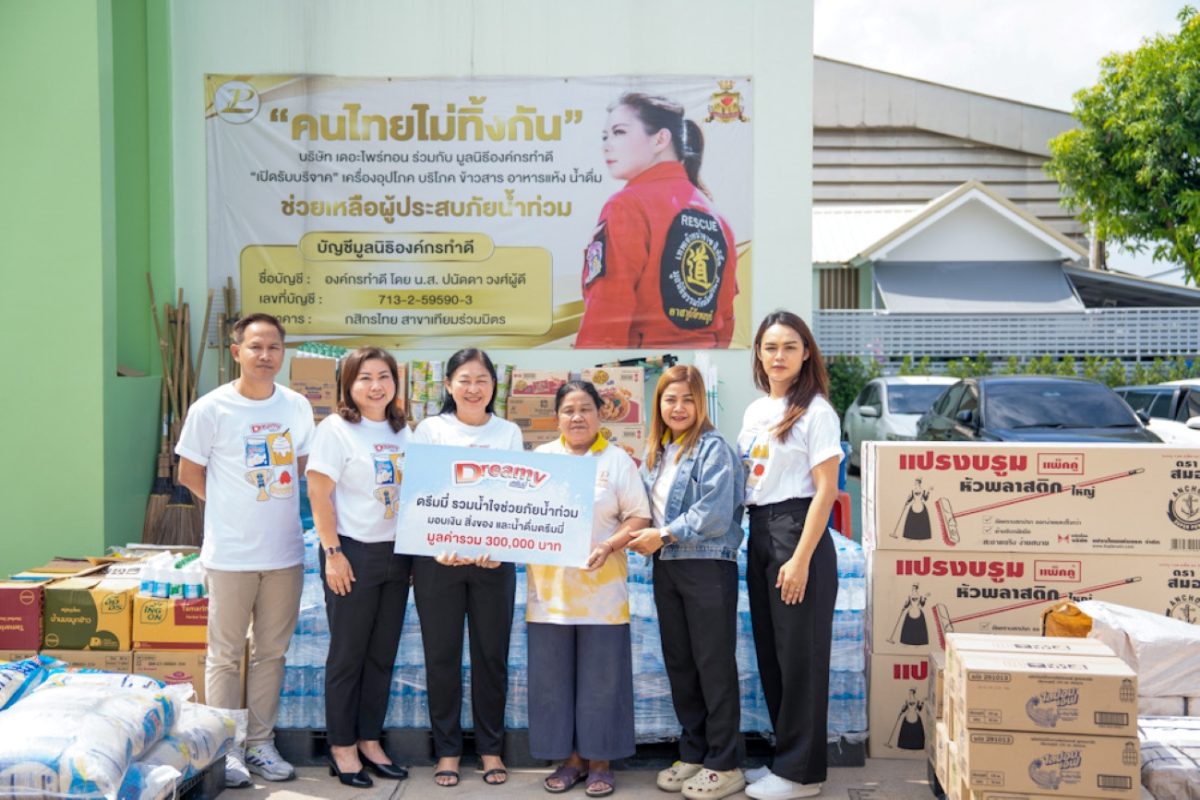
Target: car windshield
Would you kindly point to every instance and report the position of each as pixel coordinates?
(1054, 405)
(909, 398)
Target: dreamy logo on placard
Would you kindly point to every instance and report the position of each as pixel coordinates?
(516, 476)
(1184, 507)
(236, 102)
(1061, 571)
(1185, 607)
(1060, 463)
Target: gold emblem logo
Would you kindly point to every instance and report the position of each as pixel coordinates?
(697, 262)
(726, 105)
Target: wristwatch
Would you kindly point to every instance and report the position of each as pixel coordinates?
(667, 536)
(332, 551)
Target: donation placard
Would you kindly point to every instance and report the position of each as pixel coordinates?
(530, 508)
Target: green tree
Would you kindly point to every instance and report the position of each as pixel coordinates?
(1133, 165)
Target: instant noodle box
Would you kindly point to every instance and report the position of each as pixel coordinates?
(1061, 765)
(916, 599)
(21, 615)
(543, 382)
(1046, 693)
(88, 614)
(958, 643)
(174, 624)
(630, 438)
(1052, 498)
(104, 660)
(622, 393)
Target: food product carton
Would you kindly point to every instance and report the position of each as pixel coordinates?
(622, 391)
(21, 607)
(317, 380)
(1063, 765)
(173, 667)
(88, 614)
(533, 413)
(107, 660)
(543, 382)
(170, 623)
(957, 643)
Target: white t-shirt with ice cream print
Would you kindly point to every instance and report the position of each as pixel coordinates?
(249, 449)
(366, 462)
(776, 470)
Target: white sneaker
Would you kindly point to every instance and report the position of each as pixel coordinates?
(236, 774)
(774, 787)
(757, 774)
(263, 759)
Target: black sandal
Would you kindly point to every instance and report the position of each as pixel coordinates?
(445, 773)
(498, 772)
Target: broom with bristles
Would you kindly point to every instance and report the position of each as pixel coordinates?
(160, 490)
(181, 522)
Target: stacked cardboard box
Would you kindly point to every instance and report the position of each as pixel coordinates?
(316, 378)
(622, 412)
(982, 538)
(1032, 717)
(531, 404)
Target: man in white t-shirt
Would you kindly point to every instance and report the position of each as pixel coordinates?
(242, 451)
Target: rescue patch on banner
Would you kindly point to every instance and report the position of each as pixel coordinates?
(593, 257)
(693, 263)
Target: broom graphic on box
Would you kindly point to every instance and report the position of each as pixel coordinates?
(948, 519)
(944, 624)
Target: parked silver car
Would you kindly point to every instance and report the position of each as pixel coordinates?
(887, 410)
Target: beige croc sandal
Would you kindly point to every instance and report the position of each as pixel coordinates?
(710, 784)
(675, 776)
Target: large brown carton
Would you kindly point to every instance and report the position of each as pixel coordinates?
(21, 608)
(1051, 498)
(533, 413)
(957, 643)
(16, 655)
(916, 599)
(173, 667)
(1070, 765)
(622, 392)
(543, 382)
(1047, 693)
(317, 380)
(88, 614)
(899, 686)
(170, 624)
(630, 438)
(936, 696)
(107, 660)
(941, 752)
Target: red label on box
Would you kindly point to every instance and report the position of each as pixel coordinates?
(20, 617)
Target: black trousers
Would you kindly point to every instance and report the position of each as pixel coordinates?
(445, 596)
(364, 632)
(697, 618)
(792, 641)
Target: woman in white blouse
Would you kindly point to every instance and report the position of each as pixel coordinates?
(791, 445)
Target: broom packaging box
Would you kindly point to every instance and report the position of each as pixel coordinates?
(1049, 498)
(88, 613)
(1061, 765)
(1050, 693)
(899, 724)
(916, 599)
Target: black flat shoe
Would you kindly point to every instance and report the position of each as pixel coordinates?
(359, 780)
(392, 771)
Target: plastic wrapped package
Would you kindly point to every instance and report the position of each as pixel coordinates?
(1163, 651)
(200, 736)
(1170, 757)
(58, 678)
(19, 678)
(78, 741)
(149, 782)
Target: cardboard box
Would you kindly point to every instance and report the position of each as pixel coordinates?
(1046, 693)
(623, 392)
(936, 698)
(941, 752)
(1071, 765)
(21, 609)
(173, 667)
(1051, 498)
(1006, 593)
(16, 655)
(533, 413)
(957, 643)
(88, 614)
(954, 785)
(895, 706)
(170, 624)
(543, 382)
(317, 380)
(107, 660)
(630, 438)
(534, 439)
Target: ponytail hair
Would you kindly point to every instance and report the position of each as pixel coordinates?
(687, 140)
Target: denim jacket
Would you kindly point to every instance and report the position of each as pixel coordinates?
(704, 506)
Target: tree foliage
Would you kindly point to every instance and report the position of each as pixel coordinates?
(1133, 165)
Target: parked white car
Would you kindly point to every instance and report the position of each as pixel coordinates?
(1172, 409)
(887, 410)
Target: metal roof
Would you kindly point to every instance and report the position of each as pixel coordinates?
(841, 233)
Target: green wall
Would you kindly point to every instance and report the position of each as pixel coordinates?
(76, 241)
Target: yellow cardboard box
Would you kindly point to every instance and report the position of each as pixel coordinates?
(1070, 765)
(170, 624)
(108, 660)
(88, 614)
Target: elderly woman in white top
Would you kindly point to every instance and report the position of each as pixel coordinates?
(580, 654)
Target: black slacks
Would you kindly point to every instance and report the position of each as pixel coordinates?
(697, 618)
(484, 597)
(792, 641)
(364, 633)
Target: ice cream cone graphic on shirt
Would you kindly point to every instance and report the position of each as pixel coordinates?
(259, 478)
(388, 496)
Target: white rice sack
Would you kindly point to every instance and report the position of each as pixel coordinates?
(149, 782)
(1164, 652)
(19, 678)
(80, 740)
(207, 732)
(57, 678)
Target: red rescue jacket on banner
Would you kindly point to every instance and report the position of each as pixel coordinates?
(661, 269)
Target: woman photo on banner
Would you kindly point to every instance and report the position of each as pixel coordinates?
(791, 444)
(354, 474)
(448, 588)
(661, 267)
(580, 651)
(696, 486)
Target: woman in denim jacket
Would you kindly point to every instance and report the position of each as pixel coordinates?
(696, 485)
